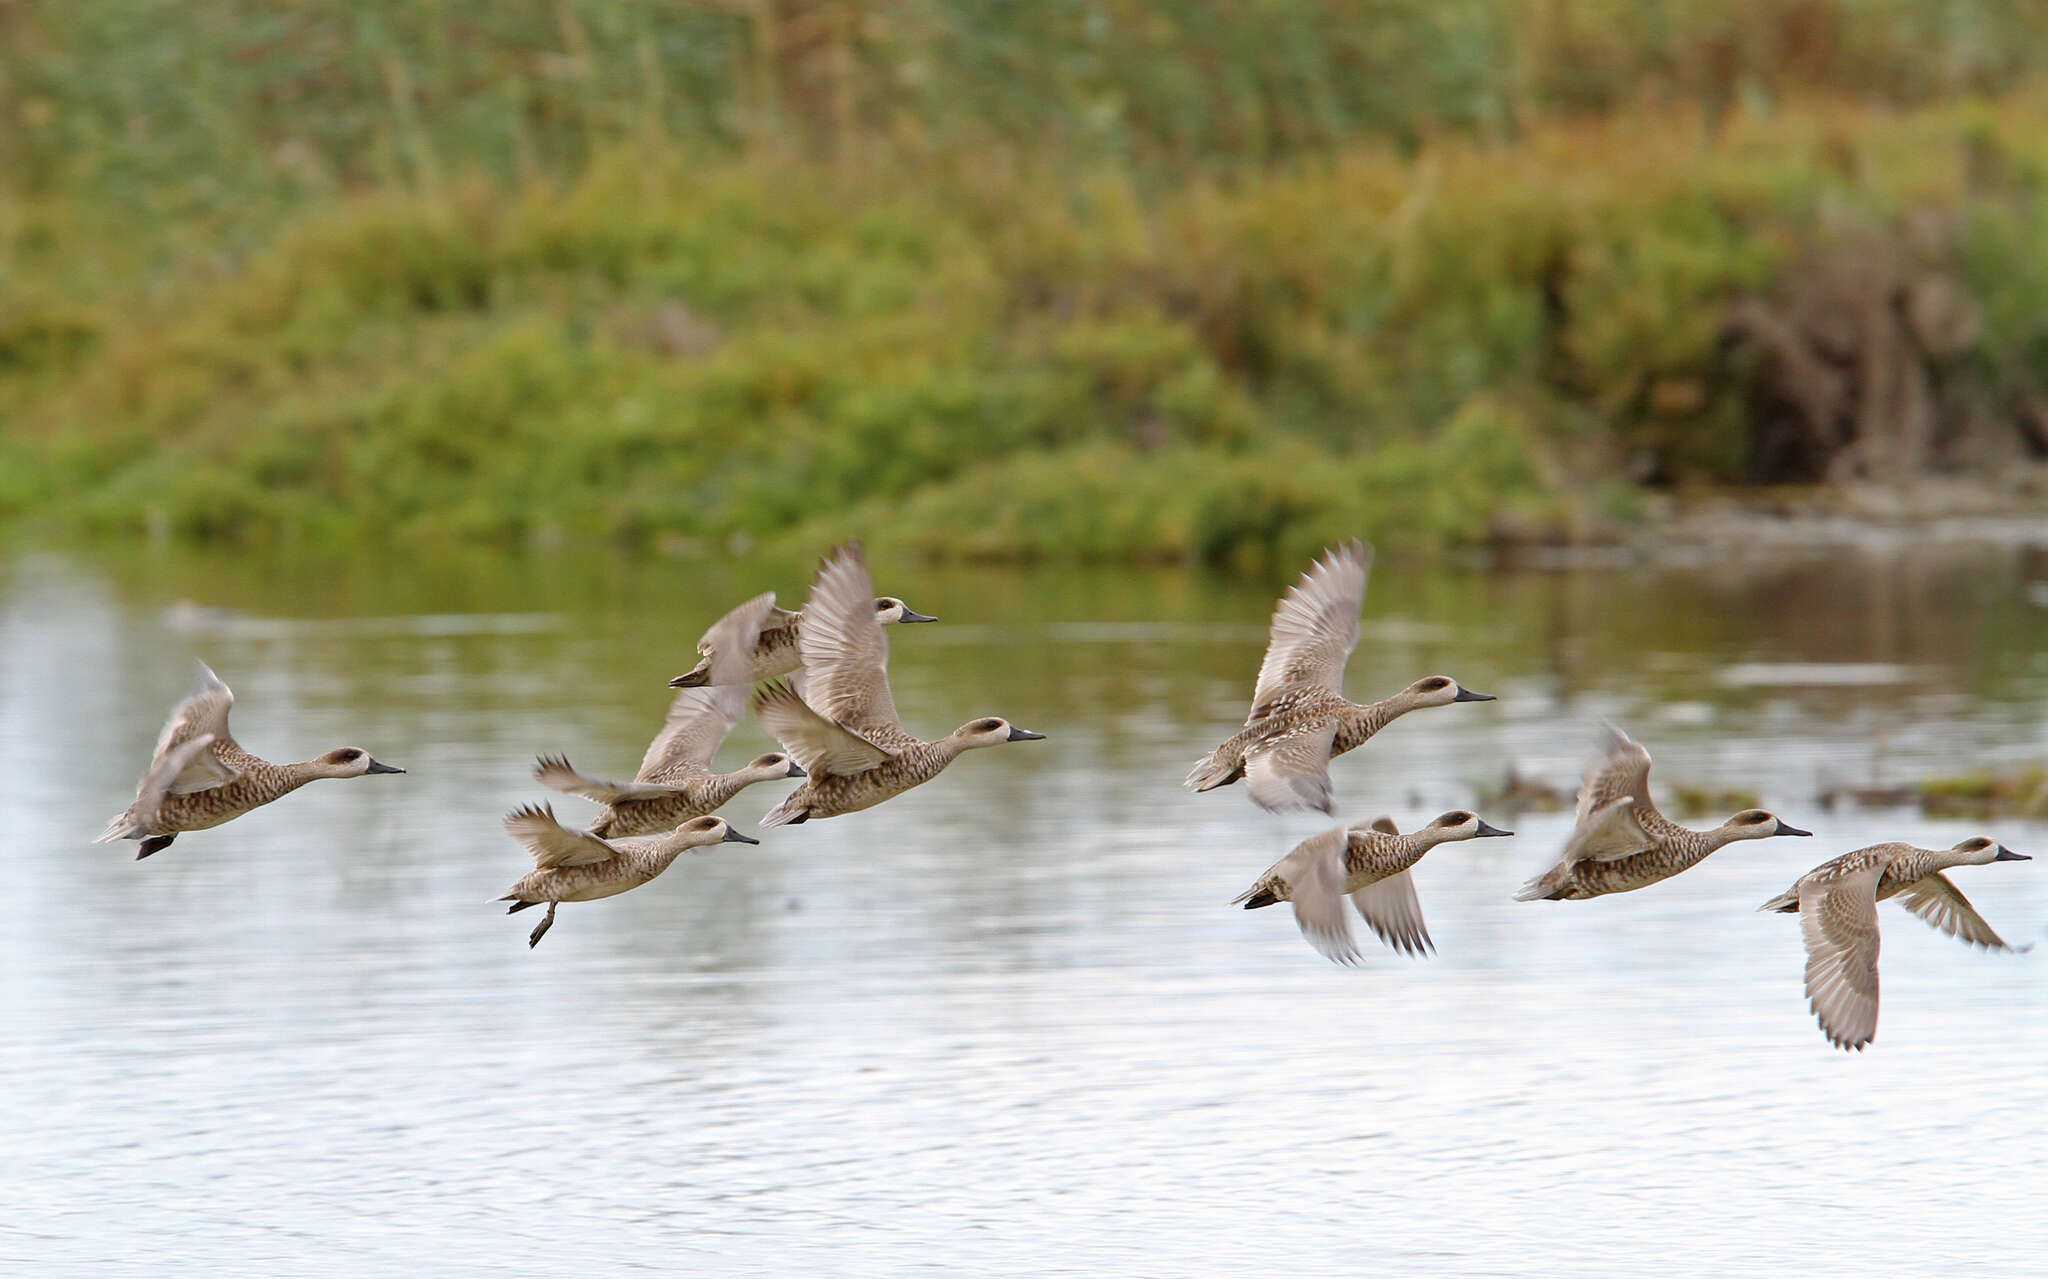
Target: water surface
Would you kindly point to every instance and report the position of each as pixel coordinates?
(1004, 1023)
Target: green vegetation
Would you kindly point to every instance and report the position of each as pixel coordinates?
(1065, 280)
(2020, 793)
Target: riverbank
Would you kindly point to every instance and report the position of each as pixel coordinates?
(1473, 341)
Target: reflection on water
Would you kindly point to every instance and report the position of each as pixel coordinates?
(1005, 1022)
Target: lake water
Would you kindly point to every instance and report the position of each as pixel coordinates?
(1005, 1023)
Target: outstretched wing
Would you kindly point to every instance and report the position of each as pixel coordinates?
(1293, 773)
(1939, 902)
(1394, 913)
(699, 719)
(845, 650)
(1608, 834)
(1839, 920)
(203, 714)
(1315, 625)
(822, 748)
(1314, 872)
(1622, 771)
(552, 844)
(554, 772)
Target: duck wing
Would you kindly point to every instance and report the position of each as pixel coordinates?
(700, 718)
(1315, 626)
(555, 773)
(1314, 872)
(1608, 834)
(821, 747)
(202, 714)
(1394, 913)
(552, 844)
(1293, 772)
(846, 651)
(1839, 920)
(1942, 905)
(1614, 800)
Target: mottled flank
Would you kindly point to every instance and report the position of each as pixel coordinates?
(844, 730)
(1620, 842)
(1300, 719)
(1368, 864)
(200, 777)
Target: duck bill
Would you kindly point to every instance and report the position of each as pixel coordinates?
(1488, 832)
(734, 837)
(1024, 735)
(796, 770)
(1783, 829)
(2007, 855)
(909, 616)
(377, 767)
(1467, 695)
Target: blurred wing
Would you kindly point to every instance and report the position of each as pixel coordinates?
(846, 652)
(554, 773)
(156, 783)
(1315, 625)
(822, 748)
(1608, 835)
(552, 844)
(1621, 772)
(1393, 912)
(1314, 872)
(1934, 899)
(1385, 826)
(730, 641)
(1293, 773)
(698, 720)
(204, 713)
(1839, 920)
(776, 619)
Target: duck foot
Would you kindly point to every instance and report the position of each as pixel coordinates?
(541, 929)
(154, 844)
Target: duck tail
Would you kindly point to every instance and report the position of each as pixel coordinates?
(1258, 895)
(1549, 886)
(696, 678)
(785, 815)
(1786, 902)
(1219, 767)
(122, 827)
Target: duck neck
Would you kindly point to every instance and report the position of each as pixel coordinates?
(720, 787)
(1357, 723)
(286, 778)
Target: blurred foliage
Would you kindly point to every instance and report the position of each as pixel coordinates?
(1062, 279)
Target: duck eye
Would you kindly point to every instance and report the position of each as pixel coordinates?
(1437, 683)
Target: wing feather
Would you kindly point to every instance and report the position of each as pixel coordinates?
(1839, 920)
(1394, 913)
(1942, 905)
(822, 748)
(845, 649)
(1314, 872)
(1293, 773)
(552, 844)
(203, 713)
(1315, 625)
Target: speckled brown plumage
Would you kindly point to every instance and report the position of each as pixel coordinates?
(1619, 841)
(200, 777)
(1299, 719)
(1368, 864)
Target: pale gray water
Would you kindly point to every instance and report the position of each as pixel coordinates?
(1005, 1023)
